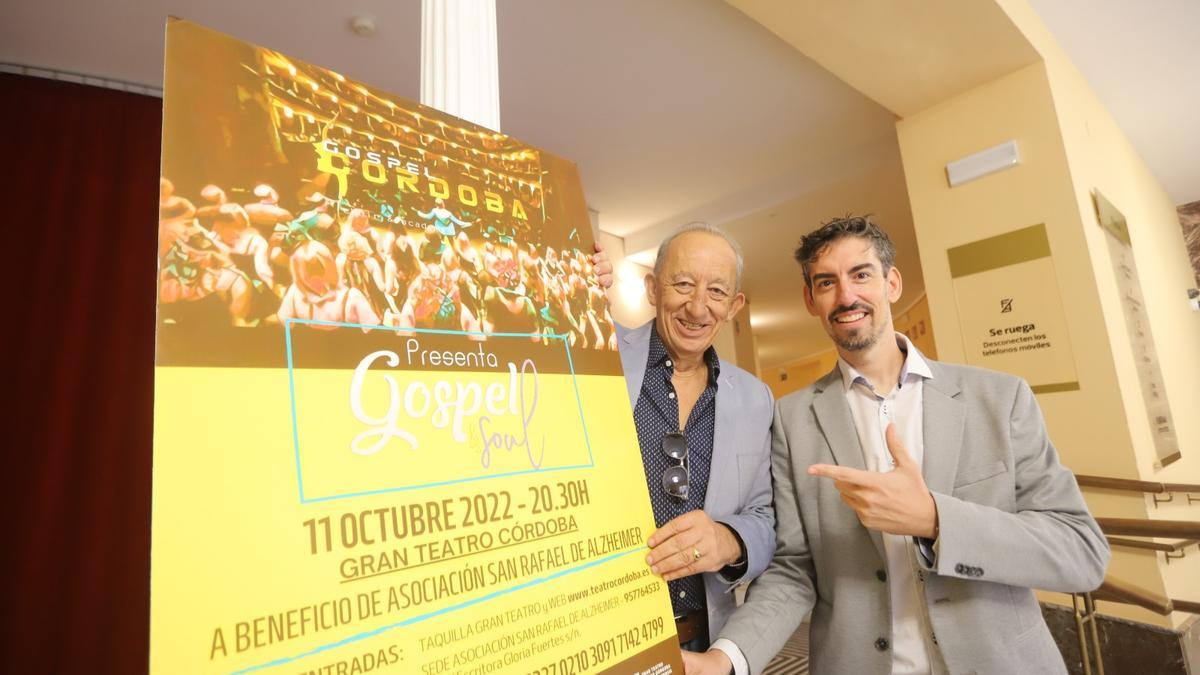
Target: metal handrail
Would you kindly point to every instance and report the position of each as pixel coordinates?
(1186, 606)
(1115, 590)
(1141, 527)
(1174, 547)
(1131, 485)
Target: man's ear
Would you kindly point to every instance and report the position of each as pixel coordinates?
(651, 289)
(739, 301)
(808, 300)
(895, 284)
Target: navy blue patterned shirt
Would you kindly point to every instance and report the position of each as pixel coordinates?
(656, 414)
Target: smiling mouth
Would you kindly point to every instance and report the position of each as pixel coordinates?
(849, 317)
(690, 325)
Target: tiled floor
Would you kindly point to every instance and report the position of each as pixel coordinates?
(793, 658)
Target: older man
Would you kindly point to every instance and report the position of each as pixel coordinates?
(703, 427)
(918, 502)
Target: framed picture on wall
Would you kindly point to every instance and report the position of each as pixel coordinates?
(1189, 220)
(1137, 323)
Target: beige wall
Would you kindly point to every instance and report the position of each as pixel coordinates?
(1016, 106)
(744, 344)
(800, 373)
(916, 323)
(1096, 429)
(1102, 158)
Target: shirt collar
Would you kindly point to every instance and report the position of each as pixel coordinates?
(658, 356)
(914, 365)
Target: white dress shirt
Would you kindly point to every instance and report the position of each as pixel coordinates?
(872, 410)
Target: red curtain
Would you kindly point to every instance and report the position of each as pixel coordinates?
(81, 178)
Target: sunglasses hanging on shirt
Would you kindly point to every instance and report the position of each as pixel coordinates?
(676, 479)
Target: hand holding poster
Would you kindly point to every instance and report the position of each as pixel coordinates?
(391, 433)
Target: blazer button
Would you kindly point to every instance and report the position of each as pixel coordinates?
(961, 568)
(881, 575)
(881, 644)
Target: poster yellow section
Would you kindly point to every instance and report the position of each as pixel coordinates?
(248, 576)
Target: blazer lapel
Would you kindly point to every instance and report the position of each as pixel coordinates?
(943, 430)
(634, 351)
(833, 414)
(837, 424)
(724, 455)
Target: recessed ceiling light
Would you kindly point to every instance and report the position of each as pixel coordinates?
(363, 25)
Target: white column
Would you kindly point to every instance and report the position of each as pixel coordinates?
(460, 71)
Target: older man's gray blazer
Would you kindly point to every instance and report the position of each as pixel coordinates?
(739, 484)
(1011, 519)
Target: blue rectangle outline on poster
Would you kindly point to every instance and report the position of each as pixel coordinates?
(338, 324)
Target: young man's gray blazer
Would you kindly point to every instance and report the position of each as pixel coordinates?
(1011, 518)
(739, 484)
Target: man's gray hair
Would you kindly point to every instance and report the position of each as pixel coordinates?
(698, 226)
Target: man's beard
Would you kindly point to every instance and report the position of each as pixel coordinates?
(860, 340)
(856, 343)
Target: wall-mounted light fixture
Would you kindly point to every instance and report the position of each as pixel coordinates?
(630, 283)
(982, 163)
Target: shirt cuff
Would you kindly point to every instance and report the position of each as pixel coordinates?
(733, 572)
(740, 665)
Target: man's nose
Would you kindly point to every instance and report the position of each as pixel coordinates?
(846, 295)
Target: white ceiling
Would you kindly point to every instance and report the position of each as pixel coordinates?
(675, 110)
(1142, 59)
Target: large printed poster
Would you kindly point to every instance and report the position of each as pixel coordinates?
(391, 432)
